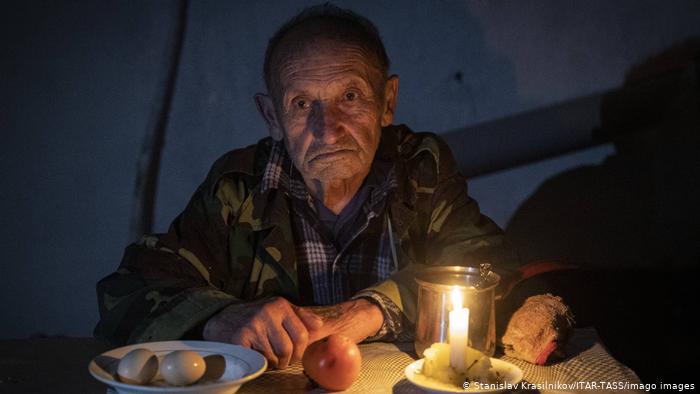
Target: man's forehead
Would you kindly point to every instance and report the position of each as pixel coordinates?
(324, 50)
(319, 61)
(326, 61)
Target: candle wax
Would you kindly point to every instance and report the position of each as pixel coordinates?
(459, 334)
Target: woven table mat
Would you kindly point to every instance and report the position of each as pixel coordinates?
(588, 361)
(587, 367)
(383, 367)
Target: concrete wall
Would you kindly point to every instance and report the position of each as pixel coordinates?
(78, 80)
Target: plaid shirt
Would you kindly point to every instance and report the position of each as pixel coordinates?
(331, 273)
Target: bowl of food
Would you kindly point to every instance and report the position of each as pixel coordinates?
(483, 374)
(177, 367)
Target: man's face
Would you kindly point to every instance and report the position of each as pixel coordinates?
(331, 104)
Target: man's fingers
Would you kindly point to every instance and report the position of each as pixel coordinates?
(263, 346)
(298, 334)
(259, 343)
(282, 346)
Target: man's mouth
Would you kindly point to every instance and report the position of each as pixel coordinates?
(328, 155)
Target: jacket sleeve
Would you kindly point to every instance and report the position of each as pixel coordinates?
(168, 285)
(459, 234)
(449, 230)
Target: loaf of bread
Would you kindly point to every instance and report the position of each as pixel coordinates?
(538, 331)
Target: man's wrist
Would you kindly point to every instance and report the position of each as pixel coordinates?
(391, 315)
(374, 315)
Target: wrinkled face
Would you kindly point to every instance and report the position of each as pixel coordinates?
(330, 110)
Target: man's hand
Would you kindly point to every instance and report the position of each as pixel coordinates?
(356, 319)
(275, 327)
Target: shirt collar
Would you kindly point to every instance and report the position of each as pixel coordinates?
(280, 173)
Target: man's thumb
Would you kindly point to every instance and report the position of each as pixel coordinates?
(311, 320)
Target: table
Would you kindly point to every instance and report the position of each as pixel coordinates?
(59, 365)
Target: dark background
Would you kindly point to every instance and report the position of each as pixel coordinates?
(83, 83)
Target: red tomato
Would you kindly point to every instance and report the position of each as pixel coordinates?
(333, 362)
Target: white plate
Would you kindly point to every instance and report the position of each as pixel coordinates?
(242, 365)
(512, 375)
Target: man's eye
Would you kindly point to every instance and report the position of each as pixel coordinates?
(301, 104)
(350, 96)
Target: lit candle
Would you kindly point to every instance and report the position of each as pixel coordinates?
(459, 332)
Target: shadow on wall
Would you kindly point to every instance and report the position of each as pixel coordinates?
(630, 223)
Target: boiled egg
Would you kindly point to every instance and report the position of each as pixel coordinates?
(139, 366)
(182, 367)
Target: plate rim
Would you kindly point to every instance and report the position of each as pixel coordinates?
(419, 363)
(208, 346)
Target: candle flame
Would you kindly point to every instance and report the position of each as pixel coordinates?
(456, 298)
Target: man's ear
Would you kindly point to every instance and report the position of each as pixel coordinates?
(266, 107)
(391, 90)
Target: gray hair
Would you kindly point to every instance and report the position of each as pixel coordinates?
(346, 26)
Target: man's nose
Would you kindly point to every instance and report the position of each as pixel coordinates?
(326, 122)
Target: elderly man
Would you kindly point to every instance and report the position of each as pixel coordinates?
(317, 229)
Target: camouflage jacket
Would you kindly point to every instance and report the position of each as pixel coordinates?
(233, 243)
